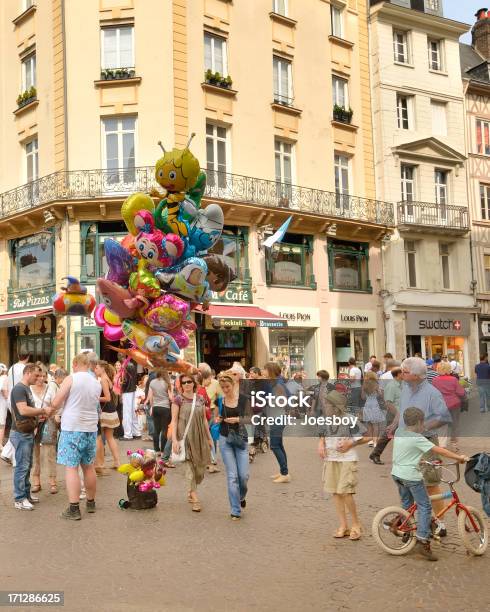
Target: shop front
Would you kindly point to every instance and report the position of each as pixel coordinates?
(352, 336)
(484, 335)
(435, 333)
(295, 346)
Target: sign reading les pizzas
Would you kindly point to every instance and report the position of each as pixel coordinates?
(437, 324)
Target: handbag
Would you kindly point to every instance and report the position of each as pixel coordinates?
(180, 456)
(234, 438)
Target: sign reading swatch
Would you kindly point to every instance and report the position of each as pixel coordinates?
(437, 324)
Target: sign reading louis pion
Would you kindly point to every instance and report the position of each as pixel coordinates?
(437, 324)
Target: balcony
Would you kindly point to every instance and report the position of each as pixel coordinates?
(429, 216)
(83, 185)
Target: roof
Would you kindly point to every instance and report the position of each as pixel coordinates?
(469, 59)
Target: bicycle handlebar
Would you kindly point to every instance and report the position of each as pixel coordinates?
(437, 464)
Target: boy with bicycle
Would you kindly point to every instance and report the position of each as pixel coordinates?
(408, 447)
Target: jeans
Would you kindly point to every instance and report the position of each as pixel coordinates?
(161, 420)
(167, 451)
(484, 393)
(24, 445)
(236, 466)
(414, 491)
(277, 447)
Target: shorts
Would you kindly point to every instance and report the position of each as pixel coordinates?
(432, 476)
(340, 477)
(76, 447)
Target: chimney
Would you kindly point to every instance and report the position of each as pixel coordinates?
(480, 33)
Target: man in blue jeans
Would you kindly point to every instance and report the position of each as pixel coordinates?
(409, 445)
(22, 435)
(482, 371)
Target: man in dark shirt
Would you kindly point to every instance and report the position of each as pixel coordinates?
(23, 409)
(130, 418)
(482, 371)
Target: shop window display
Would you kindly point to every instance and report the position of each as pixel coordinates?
(32, 261)
(348, 266)
(289, 263)
(293, 350)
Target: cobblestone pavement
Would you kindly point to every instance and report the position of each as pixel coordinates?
(281, 556)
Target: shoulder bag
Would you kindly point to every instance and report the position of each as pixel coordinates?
(180, 456)
(25, 425)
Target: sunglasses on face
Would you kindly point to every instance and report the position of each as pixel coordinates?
(187, 382)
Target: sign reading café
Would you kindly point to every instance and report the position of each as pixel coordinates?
(437, 324)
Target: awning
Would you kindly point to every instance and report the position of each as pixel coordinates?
(8, 318)
(223, 315)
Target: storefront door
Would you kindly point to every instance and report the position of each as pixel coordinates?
(349, 343)
(219, 349)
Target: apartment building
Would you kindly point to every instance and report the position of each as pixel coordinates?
(418, 109)
(89, 89)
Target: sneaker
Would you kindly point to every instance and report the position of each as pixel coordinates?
(71, 515)
(235, 518)
(25, 504)
(282, 479)
(243, 503)
(424, 550)
(83, 494)
(440, 529)
(91, 506)
(33, 499)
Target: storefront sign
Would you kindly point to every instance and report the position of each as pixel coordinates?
(297, 317)
(234, 294)
(34, 300)
(218, 322)
(353, 319)
(437, 324)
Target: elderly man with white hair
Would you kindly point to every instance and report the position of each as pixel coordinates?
(417, 392)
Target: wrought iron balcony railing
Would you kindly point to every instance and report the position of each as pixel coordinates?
(99, 184)
(434, 215)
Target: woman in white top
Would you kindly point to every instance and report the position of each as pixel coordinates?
(47, 433)
(3, 401)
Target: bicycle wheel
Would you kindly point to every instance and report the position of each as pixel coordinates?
(475, 542)
(386, 534)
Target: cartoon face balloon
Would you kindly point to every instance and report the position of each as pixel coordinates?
(166, 313)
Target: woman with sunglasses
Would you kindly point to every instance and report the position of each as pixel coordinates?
(234, 453)
(198, 442)
(47, 432)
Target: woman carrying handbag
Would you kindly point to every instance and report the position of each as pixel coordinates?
(191, 439)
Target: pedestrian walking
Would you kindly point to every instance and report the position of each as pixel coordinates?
(373, 416)
(391, 394)
(189, 417)
(355, 378)
(43, 392)
(340, 468)
(213, 391)
(233, 443)
(108, 418)
(453, 393)
(78, 398)
(14, 376)
(3, 401)
(319, 393)
(277, 387)
(482, 371)
(130, 418)
(159, 401)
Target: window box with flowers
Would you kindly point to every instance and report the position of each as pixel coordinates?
(341, 114)
(27, 97)
(217, 79)
(112, 74)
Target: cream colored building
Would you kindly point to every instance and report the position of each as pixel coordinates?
(111, 80)
(418, 110)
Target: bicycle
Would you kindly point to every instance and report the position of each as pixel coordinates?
(394, 528)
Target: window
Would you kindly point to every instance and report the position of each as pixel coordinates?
(404, 112)
(283, 152)
(485, 201)
(434, 49)
(340, 91)
(407, 189)
(440, 180)
(483, 137)
(280, 7)
(342, 170)
(486, 265)
(215, 54)
(233, 249)
(444, 257)
(336, 17)
(117, 47)
(348, 266)
(400, 47)
(29, 72)
(411, 262)
(439, 118)
(283, 83)
(119, 149)
(32, 160)
(216, 154)
(32, 260)
(290, 262)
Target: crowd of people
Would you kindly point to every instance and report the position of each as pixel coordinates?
(50, 417)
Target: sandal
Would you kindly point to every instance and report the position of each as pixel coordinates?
(355, 533)
(36, 488)
(53, 489)
(341, 533)
(196, 507)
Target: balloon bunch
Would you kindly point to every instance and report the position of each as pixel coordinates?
(144, 470)
(162, 270)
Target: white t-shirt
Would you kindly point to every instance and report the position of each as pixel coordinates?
(44, 399)
(3, 400)
(333, 454)
(81, 406)
(368, 366)
(15, 374)
(386, 376)
(355, 375)
(455, 367)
